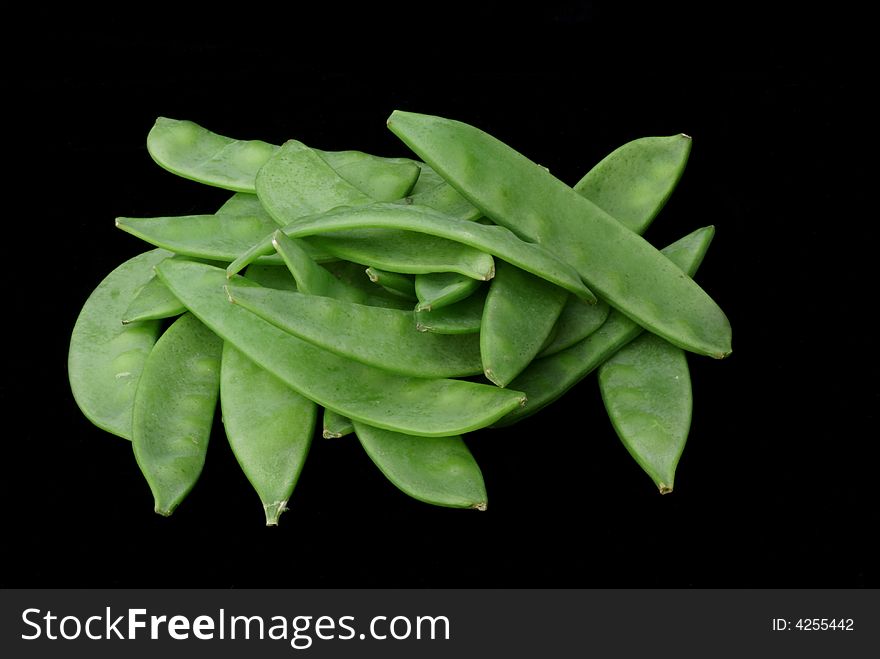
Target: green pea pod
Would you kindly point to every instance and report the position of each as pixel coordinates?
(174, 409)
(547, 379)
(191, 151)
(105, 357)
(576, 322)
(463, 317)
(646, 389)
(493, 240)
(633, 182)
(188, 150)
(393, 282)
(435, 290)
(269, 427)
(336, 425)
(519, 315)
(620, 266)
(381, 337)
(271, 276)
(224, 238)
(437, 470)
(417, 406)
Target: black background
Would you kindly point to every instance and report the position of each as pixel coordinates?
(776, 486)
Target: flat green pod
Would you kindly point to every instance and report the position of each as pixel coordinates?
(486, 239)
(271, 276)
(417, 406)
(432, 191)
(353, 276)
(269, 427)
(633, 182)
(335, 425)
(436, 290)
(196, 153)
(437, 470)
(646, 389)
(546, 379)
(174, 410)
(617, 264)
(381, 337)
(153, 302)
(188, 150)
(576, 322)
(105, 357)
(518, 316)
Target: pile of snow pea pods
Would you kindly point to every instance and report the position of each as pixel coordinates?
(405, 301)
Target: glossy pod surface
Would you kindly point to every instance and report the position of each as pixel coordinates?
(269, 427)
(417, 406)
(493, 240)
(174, 410)
(435, 290)
(371, 335)
(106, 358)
(546, 379)
(437, 470)
(616, 263)
(646, 389)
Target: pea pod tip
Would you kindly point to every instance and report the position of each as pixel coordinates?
(273, 511)
(481, 506)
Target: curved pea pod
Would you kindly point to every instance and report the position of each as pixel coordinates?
(435, 290)
(620, 266)
(335, 425)
(393, 282)
(437, 470)
(188, 150)
(269, 427)
(487, 239)
(547, 379)
(353, 276)
(191, 151)
(576, 322)
(518, 317)
(224, 238)
(106, 358)
(432, 191)
(417, 406)
(633, 182)
(381, 337)
(463, 317)
(174, 410)
(646, 389)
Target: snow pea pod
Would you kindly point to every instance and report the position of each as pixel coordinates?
(620, 266)
(435, 290)
(646, 389)
(493, 240)
(547, 379)
(269, 427)
(353, 276)
(371, 335)
(518, 317)
(393, 282)
(106, 358)
(633, 182)
(437, 470)
(336, 425)
(224, 238)
(191, 151)
(174, 410)
(417, 406)
(576, 322)
(463, 317)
